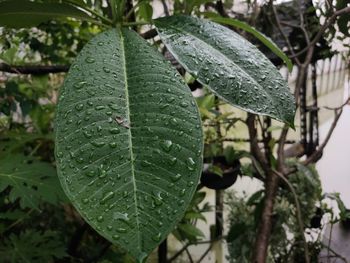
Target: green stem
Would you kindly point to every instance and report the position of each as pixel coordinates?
(103, 19)
(114, 11)
(133, 9)
(120, 10)
(138, 23)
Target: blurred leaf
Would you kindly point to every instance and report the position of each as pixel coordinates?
(235, 231)
(32, 246)
(190, 231)
(19, 13)
(145, 11)
(195, 215)
(9, 55)
(216, 170)
(31, 181)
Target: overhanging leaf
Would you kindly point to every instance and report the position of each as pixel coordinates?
(229, 65)
(128, 141)
(19, 13)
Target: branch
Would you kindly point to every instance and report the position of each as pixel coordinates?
(149, 34)
(33, 69)
(254, 145)
(318, 153)
(165, 7)
(298, 212)
(265, 224)
(319, 34)
(280, 29)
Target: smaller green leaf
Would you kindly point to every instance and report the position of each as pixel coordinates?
(216, 170)
(18, 14)
(9, 55)
(145, 11)
(191, 231)
(264, 39)
(195, 215)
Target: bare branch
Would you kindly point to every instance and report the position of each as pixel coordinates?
(33, 69)
(318, 153)
(319, 34)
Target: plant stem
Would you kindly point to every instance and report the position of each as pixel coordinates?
(120, 10)
(137, 23)
(114, 11)
(103, 19)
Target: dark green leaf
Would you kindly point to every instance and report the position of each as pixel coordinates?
(145, 11)
(18, 13)
(32, 246)
(229, 65)
(235, 231)
(31, 181)
(191, 231)
(128, 141)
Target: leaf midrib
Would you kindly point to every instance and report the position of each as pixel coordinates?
(123, 57)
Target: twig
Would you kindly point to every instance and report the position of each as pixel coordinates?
(319, 34)
(299, 218)
(33, 69)
(149, 34)
(165, 7)
(189, 256)
(279, 26)
(316, 154)
(254, 145)
(205, 253)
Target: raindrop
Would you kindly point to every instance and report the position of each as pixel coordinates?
(79, 106)
(157, 237)
(90, 60)
(190, 164)
(176, 177)
(166, 145)
(121, 230)
(114, 130)
(107, 196)
(80, 85)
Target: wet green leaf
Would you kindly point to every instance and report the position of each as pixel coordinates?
(128, 141)
(19, 13)
(229, 65)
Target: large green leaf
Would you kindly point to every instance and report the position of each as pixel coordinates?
(229, 65)
(31, 181)
(19, 13)
(128, 141)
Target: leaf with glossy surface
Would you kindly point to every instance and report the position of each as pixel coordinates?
(128, 141)
(19, 14)
(229, 65)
